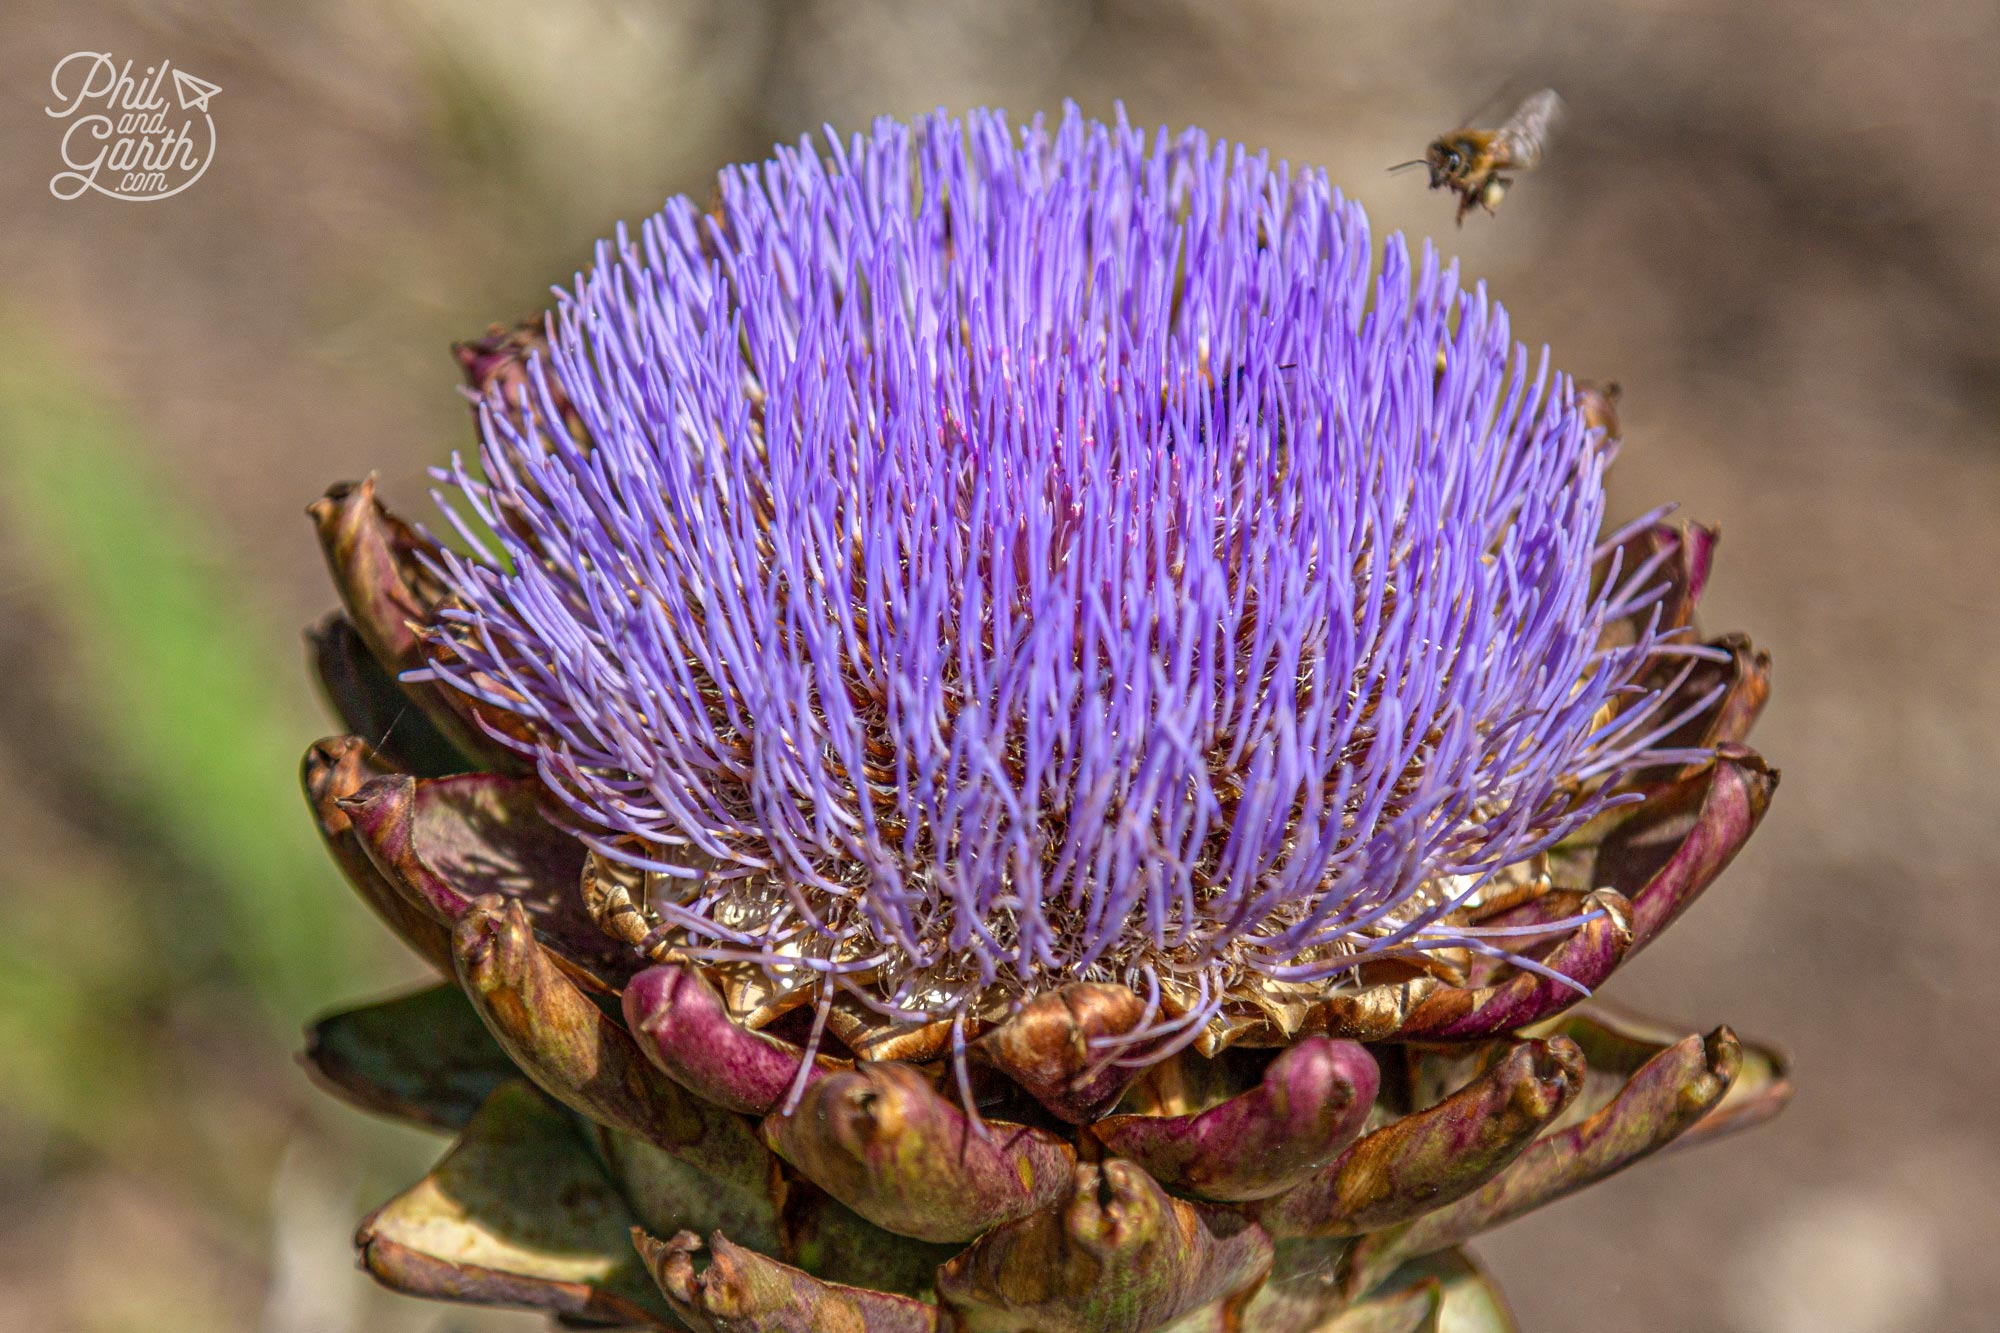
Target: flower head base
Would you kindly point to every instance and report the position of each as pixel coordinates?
(976, 562)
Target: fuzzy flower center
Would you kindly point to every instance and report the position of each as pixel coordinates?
(968, 561)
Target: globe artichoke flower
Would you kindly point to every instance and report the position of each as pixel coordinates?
(1013, 742)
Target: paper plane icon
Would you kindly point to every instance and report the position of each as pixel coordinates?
(194, 93)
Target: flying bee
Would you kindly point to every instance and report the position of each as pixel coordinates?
(1597, 400)
(1479, 165)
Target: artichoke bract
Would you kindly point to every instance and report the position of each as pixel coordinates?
(1023, 731)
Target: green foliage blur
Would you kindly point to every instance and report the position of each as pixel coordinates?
(152, 987)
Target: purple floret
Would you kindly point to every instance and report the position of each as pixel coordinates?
(992, 559)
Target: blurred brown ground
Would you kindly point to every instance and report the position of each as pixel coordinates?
(1774, 224)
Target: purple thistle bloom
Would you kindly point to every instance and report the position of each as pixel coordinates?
(975, 561)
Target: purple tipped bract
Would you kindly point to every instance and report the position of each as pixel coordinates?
(965, 561)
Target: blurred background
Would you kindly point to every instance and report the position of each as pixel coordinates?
(1773, 223)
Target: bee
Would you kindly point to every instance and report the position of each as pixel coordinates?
(1598, 401)
(1479, 165)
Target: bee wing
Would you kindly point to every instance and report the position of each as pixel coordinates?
(1525, 136)
(1505, 94)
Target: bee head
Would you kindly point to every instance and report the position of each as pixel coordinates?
(1447, 160)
